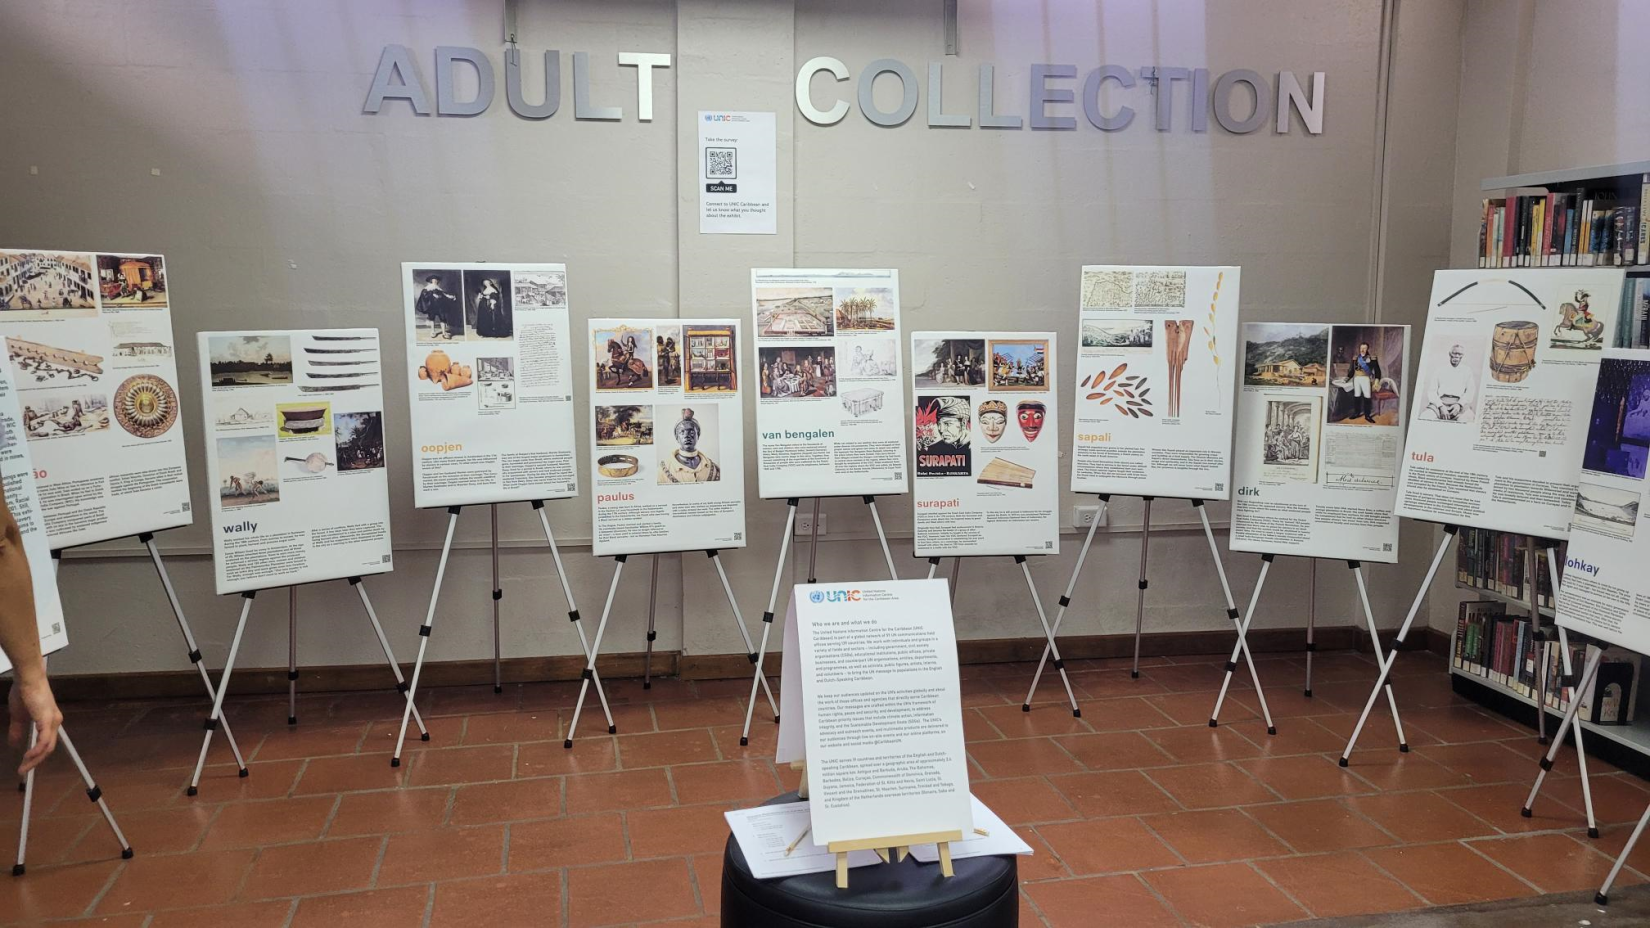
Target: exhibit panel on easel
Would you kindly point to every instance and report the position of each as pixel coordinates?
(828, 377)
(1156, 352)
(985, 443)
(1508, 364)
(489, 382)
(877, 698)
(667, 442)
(90, 350)
(1605, 591)
(1320, 435)
(295, 456)
(23, 499)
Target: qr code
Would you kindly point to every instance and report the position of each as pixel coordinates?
(738, 536)
(1386, 546)
(185, 507)
(572, 488)
(384, 560)
(1048, 545)
(721, 163)
(1220, 487)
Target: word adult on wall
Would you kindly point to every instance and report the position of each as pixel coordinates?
(397, 78)
(1236, 110)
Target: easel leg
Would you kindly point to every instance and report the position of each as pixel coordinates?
(652, 632)
(1311, 619)
(813, 546)
(956, 575)
(223, 688)
(1574, 694)
(389, 656)
(595, 648)
(1048, 634)
(1065, 600)
(1386, 665)
(1603, 895)
(1563, 728)
(498, 596)
(887, 555)
(95, 792)
(934, 566)
(1375, 639)
(1240, 623)
(28, 803)
(189, 639)
(424, 632)
(1533, 600)
(1140, 597)
(1243, 629)
(767, 617)
(739, 620)
(573, 609)
(292, 655)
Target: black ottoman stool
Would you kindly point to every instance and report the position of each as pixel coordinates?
(983, 894)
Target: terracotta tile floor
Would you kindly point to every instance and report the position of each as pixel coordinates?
(1138, 809)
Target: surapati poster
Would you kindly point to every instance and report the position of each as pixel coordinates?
(1156, 359)
(668, 435)
(89, 341)
(295, 456)
(489, 382)
(1320, 431)
(1605, 591)
(986, 443)
(1508, 365)
(22, 498)
(830, 408)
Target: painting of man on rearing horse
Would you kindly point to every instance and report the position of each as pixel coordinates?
(623, 359)
(1578, 328)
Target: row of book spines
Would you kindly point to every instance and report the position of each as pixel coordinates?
(1541, 228)
(1499, 648)
(1635, 314)
(1495, 561)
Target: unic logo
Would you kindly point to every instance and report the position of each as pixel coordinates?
(839, 596)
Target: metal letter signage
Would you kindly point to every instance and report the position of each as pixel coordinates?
(1052, 101)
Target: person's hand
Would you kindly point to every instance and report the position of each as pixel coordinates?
(32, 702)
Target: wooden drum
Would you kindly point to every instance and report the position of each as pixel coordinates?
(1512, 352)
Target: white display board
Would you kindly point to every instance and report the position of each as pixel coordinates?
(89, 341)
(1500, 412)
(295, 456)
(870, 697)
(1156, 360)
(1320, 435)
(985, 448)
(830, 406)
(22, 498)
(489, 382)
(1605, 590)
(667, 446)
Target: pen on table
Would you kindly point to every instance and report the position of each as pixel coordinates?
(798, 840)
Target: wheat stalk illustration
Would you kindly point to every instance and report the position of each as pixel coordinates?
(1209, 332)
(1129, 393)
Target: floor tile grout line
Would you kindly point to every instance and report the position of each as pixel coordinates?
(1498, 864)
(1274, 884)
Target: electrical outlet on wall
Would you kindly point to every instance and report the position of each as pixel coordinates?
(1084, 516)
(805, 523)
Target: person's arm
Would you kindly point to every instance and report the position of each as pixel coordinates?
(31, 696)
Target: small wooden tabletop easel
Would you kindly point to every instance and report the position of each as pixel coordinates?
(891, 847)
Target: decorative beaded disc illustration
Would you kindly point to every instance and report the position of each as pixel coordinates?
(146, 405)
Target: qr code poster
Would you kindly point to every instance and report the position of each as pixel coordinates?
(721, 163)
(739, 166)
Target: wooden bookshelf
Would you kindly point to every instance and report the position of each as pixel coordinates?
(1634, 735)
(1546, 611)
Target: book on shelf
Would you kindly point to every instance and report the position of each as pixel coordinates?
(1496, 561)
(1539, 227)
(1612, 697)
(1633, 321)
